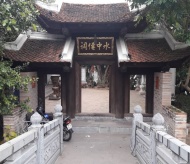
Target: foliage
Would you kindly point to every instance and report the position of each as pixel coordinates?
(9, 134)
(173, 14)
(16, 16)
(182, 102)
(24, 106)
(11, 80)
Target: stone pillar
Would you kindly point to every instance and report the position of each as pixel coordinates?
(36, 119)
(158, 121)
(59, 115)
(137, 116)
(142, 86)
(162, 91)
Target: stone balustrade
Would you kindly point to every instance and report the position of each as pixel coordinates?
(40, 145)
(152, 144)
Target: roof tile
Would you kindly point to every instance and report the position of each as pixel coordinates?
(37, 51)
(140, 50)
(118, 12)
(154, 50)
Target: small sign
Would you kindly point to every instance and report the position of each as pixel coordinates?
(95, 45)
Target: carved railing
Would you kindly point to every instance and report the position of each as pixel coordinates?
(152, 145)
(40, 145)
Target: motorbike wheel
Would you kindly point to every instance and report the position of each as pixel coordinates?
(67, 135)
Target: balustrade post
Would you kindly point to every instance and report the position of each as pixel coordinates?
(59, 115)
(137, 116)
(158, 122)
(36, 119)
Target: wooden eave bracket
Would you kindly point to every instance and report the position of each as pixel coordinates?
(158, 34)
(174, 45)
(17, 44)
(122, 51)
(51, 6)
(22, 38)
(68, 50)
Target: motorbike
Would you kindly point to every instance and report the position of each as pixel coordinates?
(67, 129)
(67, 126)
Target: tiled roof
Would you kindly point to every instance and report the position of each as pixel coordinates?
(140, 50)
(118, 12)
(37, 51)
(154, 50)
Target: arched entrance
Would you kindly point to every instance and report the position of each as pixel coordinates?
(116, 90)
(119, 83)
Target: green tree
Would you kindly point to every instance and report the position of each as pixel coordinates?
(175, 16)
(10, 80)
(16, 16)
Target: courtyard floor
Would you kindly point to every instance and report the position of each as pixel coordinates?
(96, 100)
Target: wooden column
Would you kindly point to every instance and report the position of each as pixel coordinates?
(149, 93)
(112, 89)
(70, 92)
(119, 94)
(127, 93)
(63, 92)
(78, 87)
(1, 128)
(41, 89)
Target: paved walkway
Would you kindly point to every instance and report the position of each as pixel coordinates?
(97, 101)
(101, 141)
(97, 149)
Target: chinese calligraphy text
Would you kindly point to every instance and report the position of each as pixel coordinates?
(95, 46)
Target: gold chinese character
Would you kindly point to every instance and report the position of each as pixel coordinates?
(84, 45)
(106, 46)
(93, 46)
(99, 45)
(89, 46)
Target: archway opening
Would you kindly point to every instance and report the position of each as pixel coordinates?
(137, 92)
(95, 80)
(52, 92)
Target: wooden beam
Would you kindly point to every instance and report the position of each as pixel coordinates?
(63, 91)
(127, 93)
(1, 128)
(71, 93)
(119, 94)
(41, 89)
(112, 89)
(78, 87)
(149, 93)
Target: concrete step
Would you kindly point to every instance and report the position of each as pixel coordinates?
(107, 125)
(103, 124)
